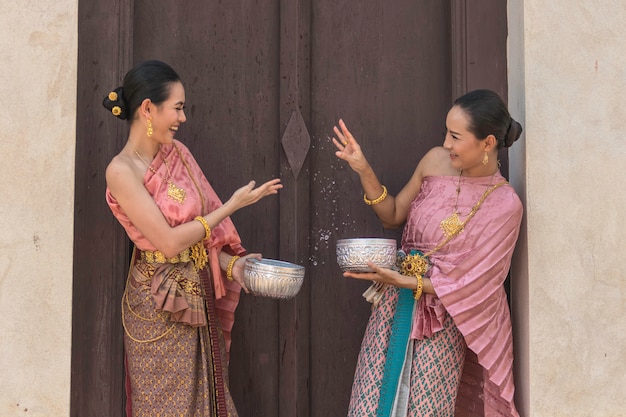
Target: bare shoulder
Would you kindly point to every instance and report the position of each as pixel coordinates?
(436, 162)
(119, 164)
(120, 168)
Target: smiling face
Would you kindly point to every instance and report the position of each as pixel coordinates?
(169, 115)
(466, 151)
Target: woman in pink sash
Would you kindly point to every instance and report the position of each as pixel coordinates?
(439, 339)
(187, 268)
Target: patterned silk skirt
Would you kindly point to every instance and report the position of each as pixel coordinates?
(173, 369)
(435, 365)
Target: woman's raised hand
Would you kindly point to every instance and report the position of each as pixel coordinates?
(349, 149)
(248, 195)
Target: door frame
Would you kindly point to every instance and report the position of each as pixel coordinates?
(478, 61)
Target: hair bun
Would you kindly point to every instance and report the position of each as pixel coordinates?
(115, 103)
(513, 133)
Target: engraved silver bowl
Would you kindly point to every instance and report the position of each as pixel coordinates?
(273, 278)
(353, 254)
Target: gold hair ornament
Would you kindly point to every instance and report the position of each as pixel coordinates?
(113, 96)
(116, 110)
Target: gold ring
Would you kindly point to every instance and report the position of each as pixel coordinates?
(345, 143)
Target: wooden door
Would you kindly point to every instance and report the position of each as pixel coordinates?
(265, 83)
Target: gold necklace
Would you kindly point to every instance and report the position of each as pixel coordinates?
(174, 192)
(452, 225)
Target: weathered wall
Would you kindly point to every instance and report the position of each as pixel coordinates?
(38, 94)
(568, 81)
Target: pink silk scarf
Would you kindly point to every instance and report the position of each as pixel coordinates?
(468, 274)
(224, 237)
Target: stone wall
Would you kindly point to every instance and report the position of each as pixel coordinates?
(38, 65)
(567, 63)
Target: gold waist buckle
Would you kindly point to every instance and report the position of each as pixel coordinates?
(158, 257)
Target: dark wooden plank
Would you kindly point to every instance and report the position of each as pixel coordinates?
(227, 56)
(486, 46)
(479, 35)
(479, 53)
(385, 69)
(99, 245)
(295, 118)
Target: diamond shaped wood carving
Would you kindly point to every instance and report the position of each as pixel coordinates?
(296, 142)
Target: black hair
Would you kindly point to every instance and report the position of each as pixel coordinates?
(489, 116)
(150, 79)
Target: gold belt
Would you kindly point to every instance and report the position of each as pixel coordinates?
(158, 257)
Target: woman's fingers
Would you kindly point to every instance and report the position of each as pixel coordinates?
(248, 195)
(345, 142)
(342, 138)
(346, 133)
(378, 274)
(367, 276)
(268, 188)
(374, 275)
(272, 186)
(239, 277)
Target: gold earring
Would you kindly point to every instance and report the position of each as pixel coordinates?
(485, 159)
(149, 130)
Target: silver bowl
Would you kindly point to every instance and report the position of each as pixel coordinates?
(272, 278)
(353, 254)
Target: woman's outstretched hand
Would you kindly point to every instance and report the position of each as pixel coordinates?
(349, 149)
(383, 275)
(248, 195)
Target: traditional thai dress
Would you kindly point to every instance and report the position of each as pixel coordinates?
(413, 354)
(178, 317)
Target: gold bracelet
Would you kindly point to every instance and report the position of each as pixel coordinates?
(420, 286)
(229, 269)
(376, 200)
(207, 229)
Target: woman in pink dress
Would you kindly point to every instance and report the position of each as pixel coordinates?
(187, 268)
(445, 302)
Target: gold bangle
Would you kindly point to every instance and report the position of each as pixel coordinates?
(229, 269)
(376, 200)
(420, 286)
(207, 228)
